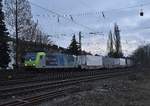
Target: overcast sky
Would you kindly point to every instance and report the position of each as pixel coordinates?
(87, 17)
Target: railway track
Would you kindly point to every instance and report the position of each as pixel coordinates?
(38, 76)
(49, 76)
(50, 90)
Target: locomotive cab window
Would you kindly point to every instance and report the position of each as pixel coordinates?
(41, 56)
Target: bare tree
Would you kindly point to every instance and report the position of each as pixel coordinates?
(42, 37)
(141, 55)
(28, 29)
(24, 17)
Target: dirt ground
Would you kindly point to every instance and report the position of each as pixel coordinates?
(133, 90)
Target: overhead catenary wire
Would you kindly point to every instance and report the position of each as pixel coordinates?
(102, 13)
(62, 16)
(129, 7)
(109, 10)
(97, 12)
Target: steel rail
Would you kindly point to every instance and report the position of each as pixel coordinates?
(40, 97)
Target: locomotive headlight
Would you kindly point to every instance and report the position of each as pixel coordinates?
(33, 64)
(25, 64)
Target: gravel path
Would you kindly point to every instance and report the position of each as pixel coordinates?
(122, 91)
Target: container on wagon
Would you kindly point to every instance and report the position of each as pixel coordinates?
(90, 62)
(122, 62)
(108, 62)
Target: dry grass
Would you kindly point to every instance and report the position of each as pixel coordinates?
(124, 91)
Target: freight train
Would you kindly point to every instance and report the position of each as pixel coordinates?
(60, 60)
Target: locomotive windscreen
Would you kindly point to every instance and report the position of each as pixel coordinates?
(30, 56)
